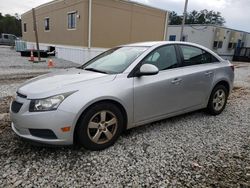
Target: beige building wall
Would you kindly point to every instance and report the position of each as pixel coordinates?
(113, 23)
(118, 22)
(59, 33)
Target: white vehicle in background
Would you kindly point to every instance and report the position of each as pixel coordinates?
(7, 39)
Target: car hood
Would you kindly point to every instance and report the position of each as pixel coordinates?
(68, 79)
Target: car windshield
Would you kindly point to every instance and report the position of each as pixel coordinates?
(114, 61)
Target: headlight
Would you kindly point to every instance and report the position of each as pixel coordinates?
(48, 104)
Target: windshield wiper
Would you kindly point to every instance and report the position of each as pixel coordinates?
(95, 70)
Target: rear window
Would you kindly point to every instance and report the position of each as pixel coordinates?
(195, 56)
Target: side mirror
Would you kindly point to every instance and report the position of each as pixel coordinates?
(147, 70)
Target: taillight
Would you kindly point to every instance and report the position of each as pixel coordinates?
(232, 67)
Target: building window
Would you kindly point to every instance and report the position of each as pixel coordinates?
(231, 45)
(172, 38)
(72, 20)
(217, 44)
(25, 27)
(220, 44)
(46, 24)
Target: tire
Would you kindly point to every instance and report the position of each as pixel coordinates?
(218, 100)
(100, 126)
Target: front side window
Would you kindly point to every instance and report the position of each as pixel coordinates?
(72, 20)
(195, 56)
(163, 58)
(46, 24)
(12, 37)
(114, 61)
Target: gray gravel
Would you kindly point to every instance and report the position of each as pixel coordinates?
(11, 62)
(13, 65)
(192, 150)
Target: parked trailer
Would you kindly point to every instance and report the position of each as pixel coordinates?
(20, 45)
(242, 54)
(43, 53)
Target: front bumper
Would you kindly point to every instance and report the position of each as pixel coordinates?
(24, 133)
(24, 123)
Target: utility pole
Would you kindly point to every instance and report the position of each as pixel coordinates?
(90, 24)
(183, 20)
(36, 34)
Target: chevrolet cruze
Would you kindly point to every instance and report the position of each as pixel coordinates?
(122, 88)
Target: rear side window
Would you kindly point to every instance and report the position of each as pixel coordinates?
(195, 56)
(163, 58)
(6, 36)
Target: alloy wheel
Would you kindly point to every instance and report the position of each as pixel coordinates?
(102, 127)
(219, 99)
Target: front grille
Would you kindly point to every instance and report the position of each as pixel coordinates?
(21, 95)
(43, 133)
(16, 106)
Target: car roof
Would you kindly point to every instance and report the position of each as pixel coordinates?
(160, 43)
(147, 44)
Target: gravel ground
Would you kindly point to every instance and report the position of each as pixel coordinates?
(15, 69)
(192, 150)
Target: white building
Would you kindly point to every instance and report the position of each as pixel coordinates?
(224, 41)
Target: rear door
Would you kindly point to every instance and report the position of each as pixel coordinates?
(198, 68)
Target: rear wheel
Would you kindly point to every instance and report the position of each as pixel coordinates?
(217, 100)
(100, 126)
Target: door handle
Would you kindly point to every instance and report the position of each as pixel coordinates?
(176, 81)
(208, 73)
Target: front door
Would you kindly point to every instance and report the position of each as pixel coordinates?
(159, 94)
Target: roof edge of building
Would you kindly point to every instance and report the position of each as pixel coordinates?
(144, 5)
(127, 1)
(206, 25)
(43, 5)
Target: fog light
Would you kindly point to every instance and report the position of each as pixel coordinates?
(65, 129)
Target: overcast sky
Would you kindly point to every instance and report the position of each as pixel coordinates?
(236, 12)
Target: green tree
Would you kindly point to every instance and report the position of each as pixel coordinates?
(174, 18)
(10, 24)
(195, 17)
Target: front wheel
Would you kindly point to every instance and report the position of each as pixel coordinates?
(217, 100)
(100, 126)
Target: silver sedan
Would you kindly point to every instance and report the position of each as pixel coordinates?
(122, 88)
